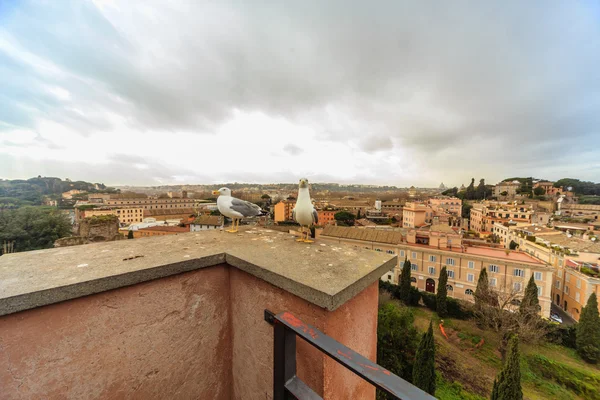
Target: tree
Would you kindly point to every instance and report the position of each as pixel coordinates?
(215, 212)
(265, 197)
(450, 192)
(470, 192)
(33, 228)
(481, 190)
(513, 245)
(358, 214)
(404, 287)
(466, 210)
(505, 193)
(130, 234)
(344, 218)
(507, 385)
(396, 340)
(482, 291)
(588, 331)
(530, 303)
(539, 191)
(424, 369)
(442, 293)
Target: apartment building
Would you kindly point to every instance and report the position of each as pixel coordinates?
(283, 211)
(452, 205)
(574, 282)
(125, 215)
(326, 217)
(485, 214)
(583, 211)
(428, 252)
(390, 208)
(151, 203)
(416, 214)
(510, 188)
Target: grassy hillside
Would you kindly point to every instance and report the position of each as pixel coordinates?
(467, 363)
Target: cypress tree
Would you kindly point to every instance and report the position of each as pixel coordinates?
(482, 292)
(588, 331)
(507, 385)
(530, 302)
(442, 293)
(404, 287)
(424, 368)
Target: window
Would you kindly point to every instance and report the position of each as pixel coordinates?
(517, 286)
(519, 272)
(566, 289)
(450, 261)
(451, 274)
(567, 277)
(431, 270)
(413, 279)
(414, 267)
(557, 284)
(539, 290)
(471, 264)
(577, 296)
(578, 283)
(449, 288)
(494, 268)
(470, 278)
(389, 277)
(537, 276)
(431, 258)
(492, 281)
(469, 292)
(414, 255)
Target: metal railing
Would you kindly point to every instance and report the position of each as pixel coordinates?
(287, 385)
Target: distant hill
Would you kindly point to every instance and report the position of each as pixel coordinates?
(20, 192)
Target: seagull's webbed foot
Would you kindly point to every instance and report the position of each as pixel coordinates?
(301, 239)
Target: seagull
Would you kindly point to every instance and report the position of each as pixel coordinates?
(304, 213)
(235, 209)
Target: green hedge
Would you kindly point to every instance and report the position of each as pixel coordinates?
(394, 290)
(562, 335)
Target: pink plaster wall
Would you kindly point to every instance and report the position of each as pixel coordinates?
(197, 335)
(353, 324)
(168, 338)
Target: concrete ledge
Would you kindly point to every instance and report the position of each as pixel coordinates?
(323, 274)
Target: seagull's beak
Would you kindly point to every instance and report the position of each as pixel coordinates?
(215, 192)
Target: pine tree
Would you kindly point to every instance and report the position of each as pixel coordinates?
(507, 385)
(424, 368)
(588, 331)
(404, 287)
(442, 293)
(530, 303)
(482, 292)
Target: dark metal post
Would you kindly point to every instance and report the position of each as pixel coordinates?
(284, 354)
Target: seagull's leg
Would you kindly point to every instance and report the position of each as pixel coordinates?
(301, 234)
(232, 229)
(308, 235)
(236, 225)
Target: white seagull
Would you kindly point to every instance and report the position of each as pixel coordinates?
(235, 209)
(304, 213)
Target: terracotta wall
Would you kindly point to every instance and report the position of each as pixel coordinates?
(198, 335)
(164, 339)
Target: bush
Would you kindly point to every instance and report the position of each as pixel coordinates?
(429, 299)
(394, 290)
(459, 309)
(414, 297)
(562, 335)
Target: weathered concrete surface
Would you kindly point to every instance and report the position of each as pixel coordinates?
(322, 274)
(164, 339)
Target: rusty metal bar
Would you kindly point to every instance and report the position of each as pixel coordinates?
(285, 383)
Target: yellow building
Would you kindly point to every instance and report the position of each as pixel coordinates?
(125, 215)
(485, 214)
(151, 203)
(574, 282)
(283, 211)
(416, 214)
(508, 271)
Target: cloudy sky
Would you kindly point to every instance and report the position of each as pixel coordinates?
(385, 92)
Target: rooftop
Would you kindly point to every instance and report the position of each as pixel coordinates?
(323, 274)
(573, 243)
(369, 235)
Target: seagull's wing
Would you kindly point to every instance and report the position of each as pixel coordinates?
(315, 217)
(245, 208)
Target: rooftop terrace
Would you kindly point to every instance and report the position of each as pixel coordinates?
(189, 316)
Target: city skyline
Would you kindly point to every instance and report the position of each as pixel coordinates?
(132, 93)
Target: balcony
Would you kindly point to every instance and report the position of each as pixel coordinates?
(183, 317)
